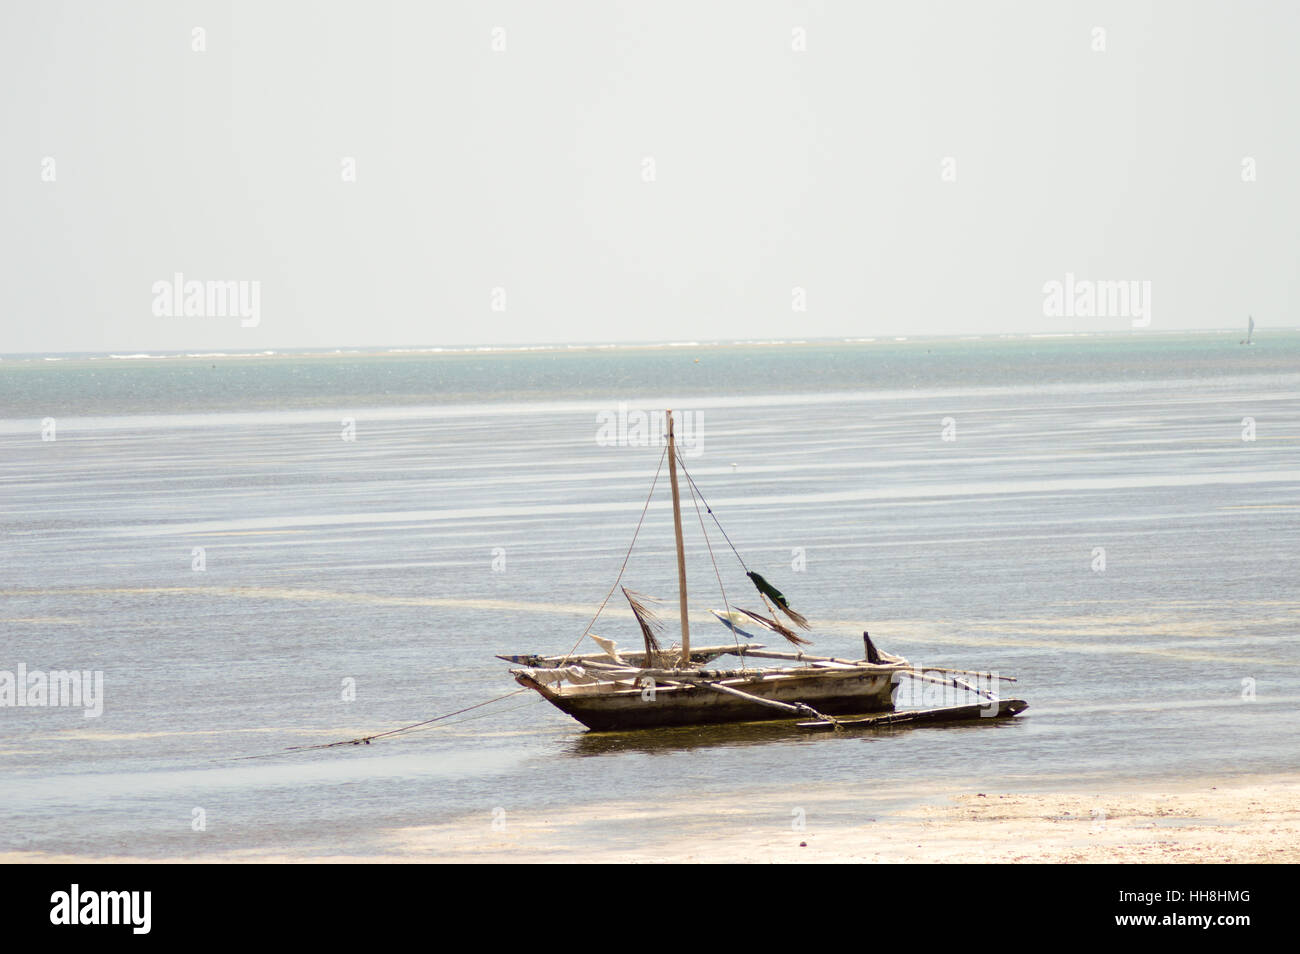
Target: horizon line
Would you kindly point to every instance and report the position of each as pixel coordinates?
(587, 345)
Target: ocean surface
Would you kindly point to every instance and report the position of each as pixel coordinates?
(276, 550)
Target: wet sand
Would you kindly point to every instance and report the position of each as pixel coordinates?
(1228, 822)
(1239, 821)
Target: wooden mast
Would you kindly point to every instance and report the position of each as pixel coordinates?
(681, 551)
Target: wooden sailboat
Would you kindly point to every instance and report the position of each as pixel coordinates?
(620, 690)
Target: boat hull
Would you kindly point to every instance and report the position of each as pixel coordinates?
(625, 709)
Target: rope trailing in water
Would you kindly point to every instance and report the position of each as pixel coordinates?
(367, 739)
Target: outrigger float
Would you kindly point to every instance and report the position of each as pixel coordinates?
(615, 690)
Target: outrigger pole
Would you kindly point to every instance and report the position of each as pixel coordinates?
(681, 550)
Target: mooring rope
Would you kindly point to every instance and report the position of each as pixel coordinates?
(367, 739)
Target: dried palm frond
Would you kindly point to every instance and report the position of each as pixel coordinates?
(649, 621)
(776, 627)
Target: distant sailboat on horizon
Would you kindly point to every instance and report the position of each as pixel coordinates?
(1250, 330)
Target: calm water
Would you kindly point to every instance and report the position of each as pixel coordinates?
(372, 560)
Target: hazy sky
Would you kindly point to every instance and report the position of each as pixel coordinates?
(524, 169)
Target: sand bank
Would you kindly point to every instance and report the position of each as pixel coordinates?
(1225, 821)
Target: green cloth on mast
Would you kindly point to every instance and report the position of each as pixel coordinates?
(767, 589)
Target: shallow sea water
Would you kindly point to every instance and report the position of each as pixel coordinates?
(372, 560)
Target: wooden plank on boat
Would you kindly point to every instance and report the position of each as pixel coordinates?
(952, 681)
(1006, 708)
(615, 671)
(862, 663)
(699, 654)
(795, 708)
(809, 658)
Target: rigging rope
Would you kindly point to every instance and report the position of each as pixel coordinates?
(695, 493)
(716, 572)
(695, 489)
(626, 557)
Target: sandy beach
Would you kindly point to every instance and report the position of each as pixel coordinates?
(1228, 822)
(1240, 821)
